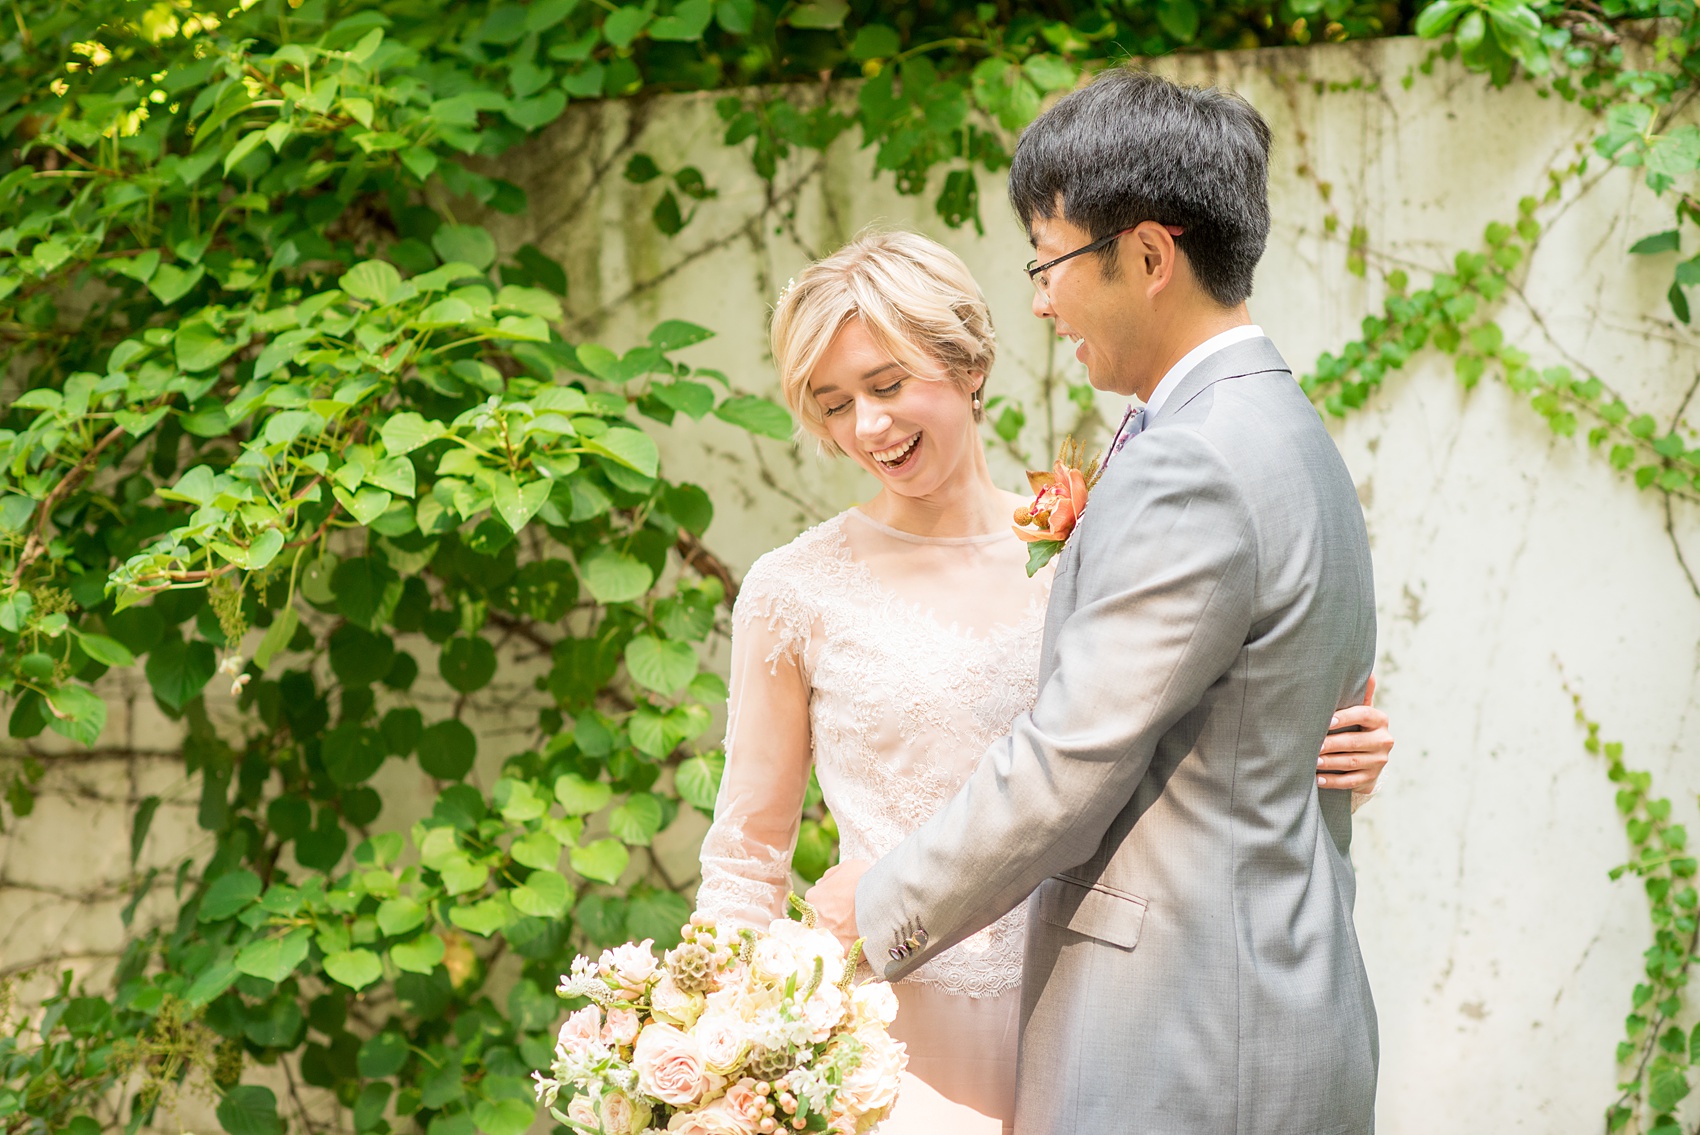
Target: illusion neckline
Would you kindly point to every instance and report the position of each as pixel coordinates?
(913, 538)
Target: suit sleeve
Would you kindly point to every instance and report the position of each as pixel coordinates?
(1166, 589)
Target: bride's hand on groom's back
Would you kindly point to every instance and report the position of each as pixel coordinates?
(1354, 760)
(834, 899)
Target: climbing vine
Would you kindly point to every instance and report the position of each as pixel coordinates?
(285, 431)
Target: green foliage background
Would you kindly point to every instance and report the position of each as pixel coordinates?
(266, 380)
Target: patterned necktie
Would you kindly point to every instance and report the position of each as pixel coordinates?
(1133, 422)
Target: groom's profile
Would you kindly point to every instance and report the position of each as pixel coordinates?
(1192, 967)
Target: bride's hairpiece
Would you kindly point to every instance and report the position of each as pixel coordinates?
(786, 290)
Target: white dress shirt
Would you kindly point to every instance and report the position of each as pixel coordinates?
(1191, 359)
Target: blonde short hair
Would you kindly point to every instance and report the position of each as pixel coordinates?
(917, 299)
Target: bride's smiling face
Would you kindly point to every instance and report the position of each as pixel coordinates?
(914, 432)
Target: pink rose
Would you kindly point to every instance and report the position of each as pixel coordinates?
(621, 1027)
(631, 967)
(715, 1119)
(582, 1031)
(669, 1066)
(741, 1100)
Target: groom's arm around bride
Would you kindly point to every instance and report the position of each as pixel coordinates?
(1192, 965)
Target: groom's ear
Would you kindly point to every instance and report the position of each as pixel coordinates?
(1155, 252)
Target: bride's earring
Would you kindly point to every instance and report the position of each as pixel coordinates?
(974, 402)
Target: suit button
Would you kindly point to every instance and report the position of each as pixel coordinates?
(896, 953)
(921, 937)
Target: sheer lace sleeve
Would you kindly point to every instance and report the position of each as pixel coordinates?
(746, 855)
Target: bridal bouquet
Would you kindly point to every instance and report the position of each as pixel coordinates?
(727, 1034)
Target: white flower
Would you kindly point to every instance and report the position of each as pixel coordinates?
(874, 1001)
(773, 961)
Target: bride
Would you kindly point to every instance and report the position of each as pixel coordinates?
(887, 647)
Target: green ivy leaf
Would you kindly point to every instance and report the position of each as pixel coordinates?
(581, 797)
(421, 955)
(757, 415)
(603, 860)
(469, 244)
(375, 281)
(698, 782)
(631, 448)
(819, 14)
(544, 894)
(467, 663)
(614, 577)
(229, 895)
(354, 968)
(275, 958)
(482, 918)
(659, 665)
(637, 820)
(399, 915)
(249, 1109)
(504, 1116)
(447, 749)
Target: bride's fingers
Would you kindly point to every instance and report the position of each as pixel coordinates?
(1363, 716)
(1376, 742)
(1352, 780)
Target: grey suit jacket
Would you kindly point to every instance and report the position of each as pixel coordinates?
(1192, 967)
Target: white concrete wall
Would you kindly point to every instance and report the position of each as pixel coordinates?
(1508, 563)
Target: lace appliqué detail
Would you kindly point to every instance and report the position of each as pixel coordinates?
(901, 709)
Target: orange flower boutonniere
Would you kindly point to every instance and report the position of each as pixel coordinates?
(1059, 499)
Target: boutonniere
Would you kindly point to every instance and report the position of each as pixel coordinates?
(1059, 497)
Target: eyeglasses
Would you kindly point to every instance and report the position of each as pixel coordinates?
(1036, 270)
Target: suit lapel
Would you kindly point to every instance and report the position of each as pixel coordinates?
(1253, 356)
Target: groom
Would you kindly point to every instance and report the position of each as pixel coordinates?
(1192, 968)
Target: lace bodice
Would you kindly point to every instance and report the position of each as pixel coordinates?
(890, 662)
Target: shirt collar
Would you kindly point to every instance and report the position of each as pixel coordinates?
(1192, 358)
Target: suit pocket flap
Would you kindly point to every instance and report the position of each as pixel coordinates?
(1093, 910)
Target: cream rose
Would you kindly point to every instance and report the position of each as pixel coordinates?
(669, 1066)
(723, 1042)
(872, 1088)
(874, 1001)
(773, 960)
(824, 1011)
(670, 1003)
(808, 945)
(622, 1115)
(582, 1112)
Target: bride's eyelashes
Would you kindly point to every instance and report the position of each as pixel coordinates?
(880, 391)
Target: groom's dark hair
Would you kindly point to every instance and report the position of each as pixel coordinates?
(1133, 147)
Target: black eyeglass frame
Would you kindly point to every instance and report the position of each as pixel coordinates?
(1103, 242)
